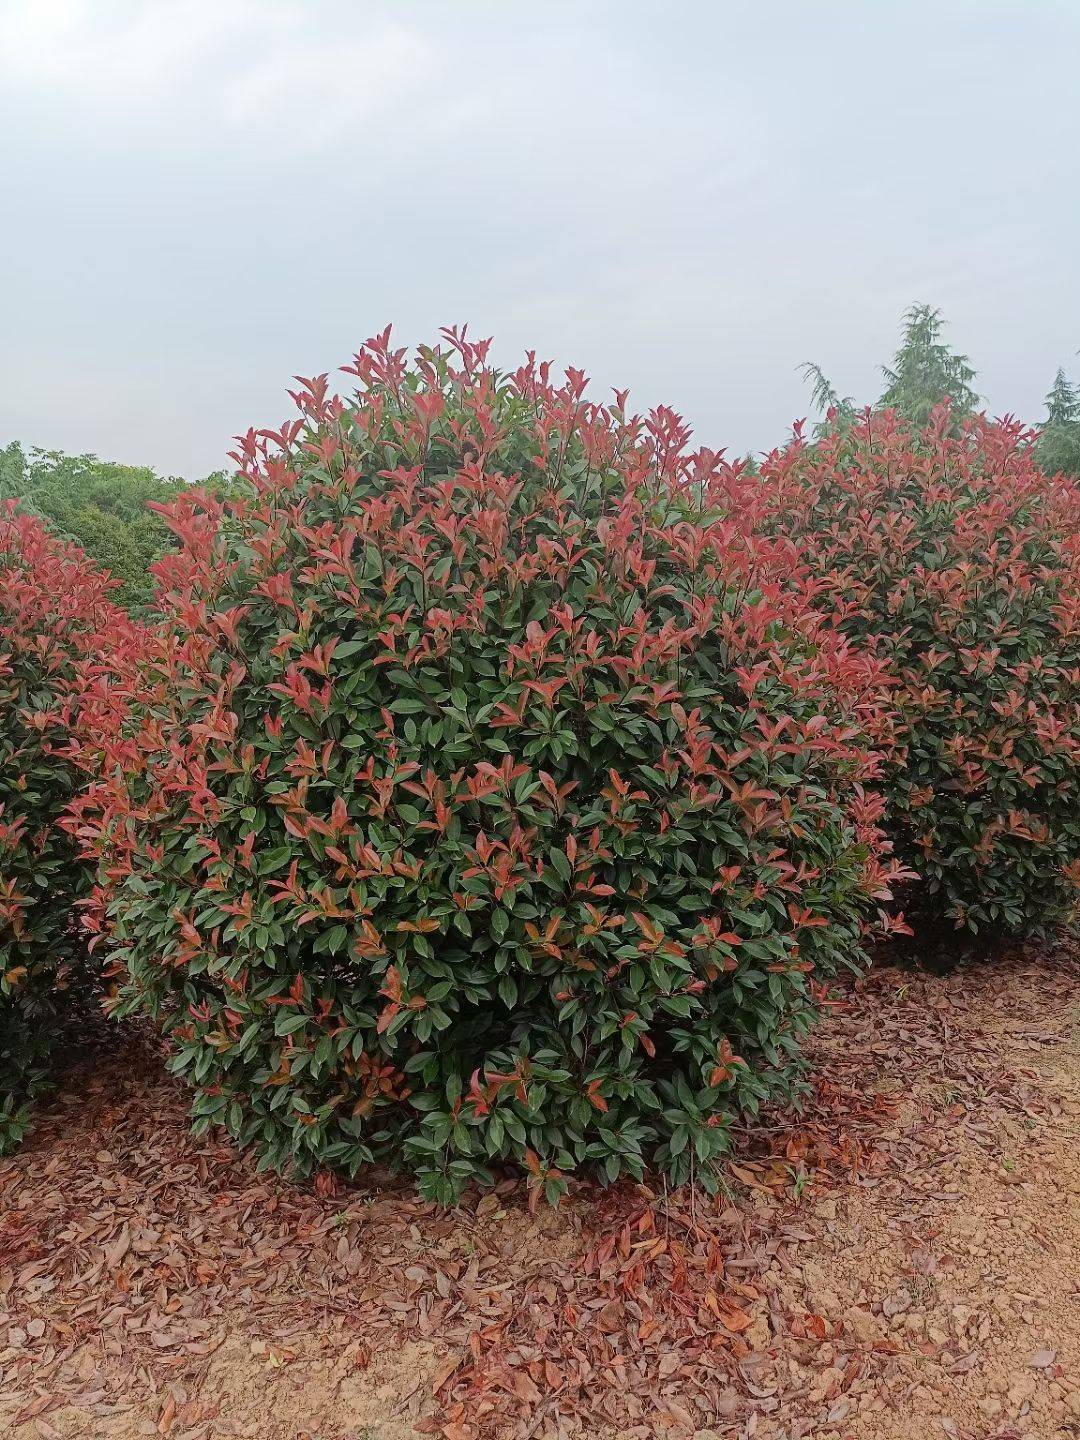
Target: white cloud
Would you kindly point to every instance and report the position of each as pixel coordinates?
(315, 90)
(690, 199)
(250, 64)
(110, 49)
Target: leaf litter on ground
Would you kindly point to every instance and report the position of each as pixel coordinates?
(899, 1261)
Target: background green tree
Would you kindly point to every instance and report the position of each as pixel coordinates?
(824, 397)
(924, 372)
(100, 504)
(1058, 446)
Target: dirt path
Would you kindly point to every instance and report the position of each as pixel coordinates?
(964, 1252)
(904, 1263)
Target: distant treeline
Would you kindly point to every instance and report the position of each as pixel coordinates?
(926, 370)
(98, 503)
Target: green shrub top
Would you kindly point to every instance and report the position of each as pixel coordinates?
(494, 805)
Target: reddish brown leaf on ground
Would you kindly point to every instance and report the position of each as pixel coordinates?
(872, 1276)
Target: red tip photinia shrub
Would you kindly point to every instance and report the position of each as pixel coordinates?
(495, 805)
(57, 706)
(956, 562)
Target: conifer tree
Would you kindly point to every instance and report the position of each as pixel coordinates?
(1058, 446)
(925, 371)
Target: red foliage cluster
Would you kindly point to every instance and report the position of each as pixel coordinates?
(499, 796)
(63, 647)
(949, 556)
(506, 778)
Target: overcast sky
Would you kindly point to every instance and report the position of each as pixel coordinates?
(200, 198)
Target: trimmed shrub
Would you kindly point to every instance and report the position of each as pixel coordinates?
(954, 560)
(494, 805)
(55, 707)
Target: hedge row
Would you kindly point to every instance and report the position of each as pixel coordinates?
(503, 780)
(58, 706)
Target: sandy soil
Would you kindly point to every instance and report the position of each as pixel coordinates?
(901, 1263)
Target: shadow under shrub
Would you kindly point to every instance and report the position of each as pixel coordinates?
(56, 706)
(492, 806)
(947, 554)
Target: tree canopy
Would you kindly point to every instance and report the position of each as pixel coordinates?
(925, 371)
(1058, 446)
(100, 504)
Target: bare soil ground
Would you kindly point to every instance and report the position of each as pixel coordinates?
(903, 1262)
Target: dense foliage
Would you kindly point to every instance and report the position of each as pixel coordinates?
(101, 505)
(949, 555)
(495, 805)
(56, 704)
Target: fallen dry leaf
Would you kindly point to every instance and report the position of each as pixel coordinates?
(149, 1277)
